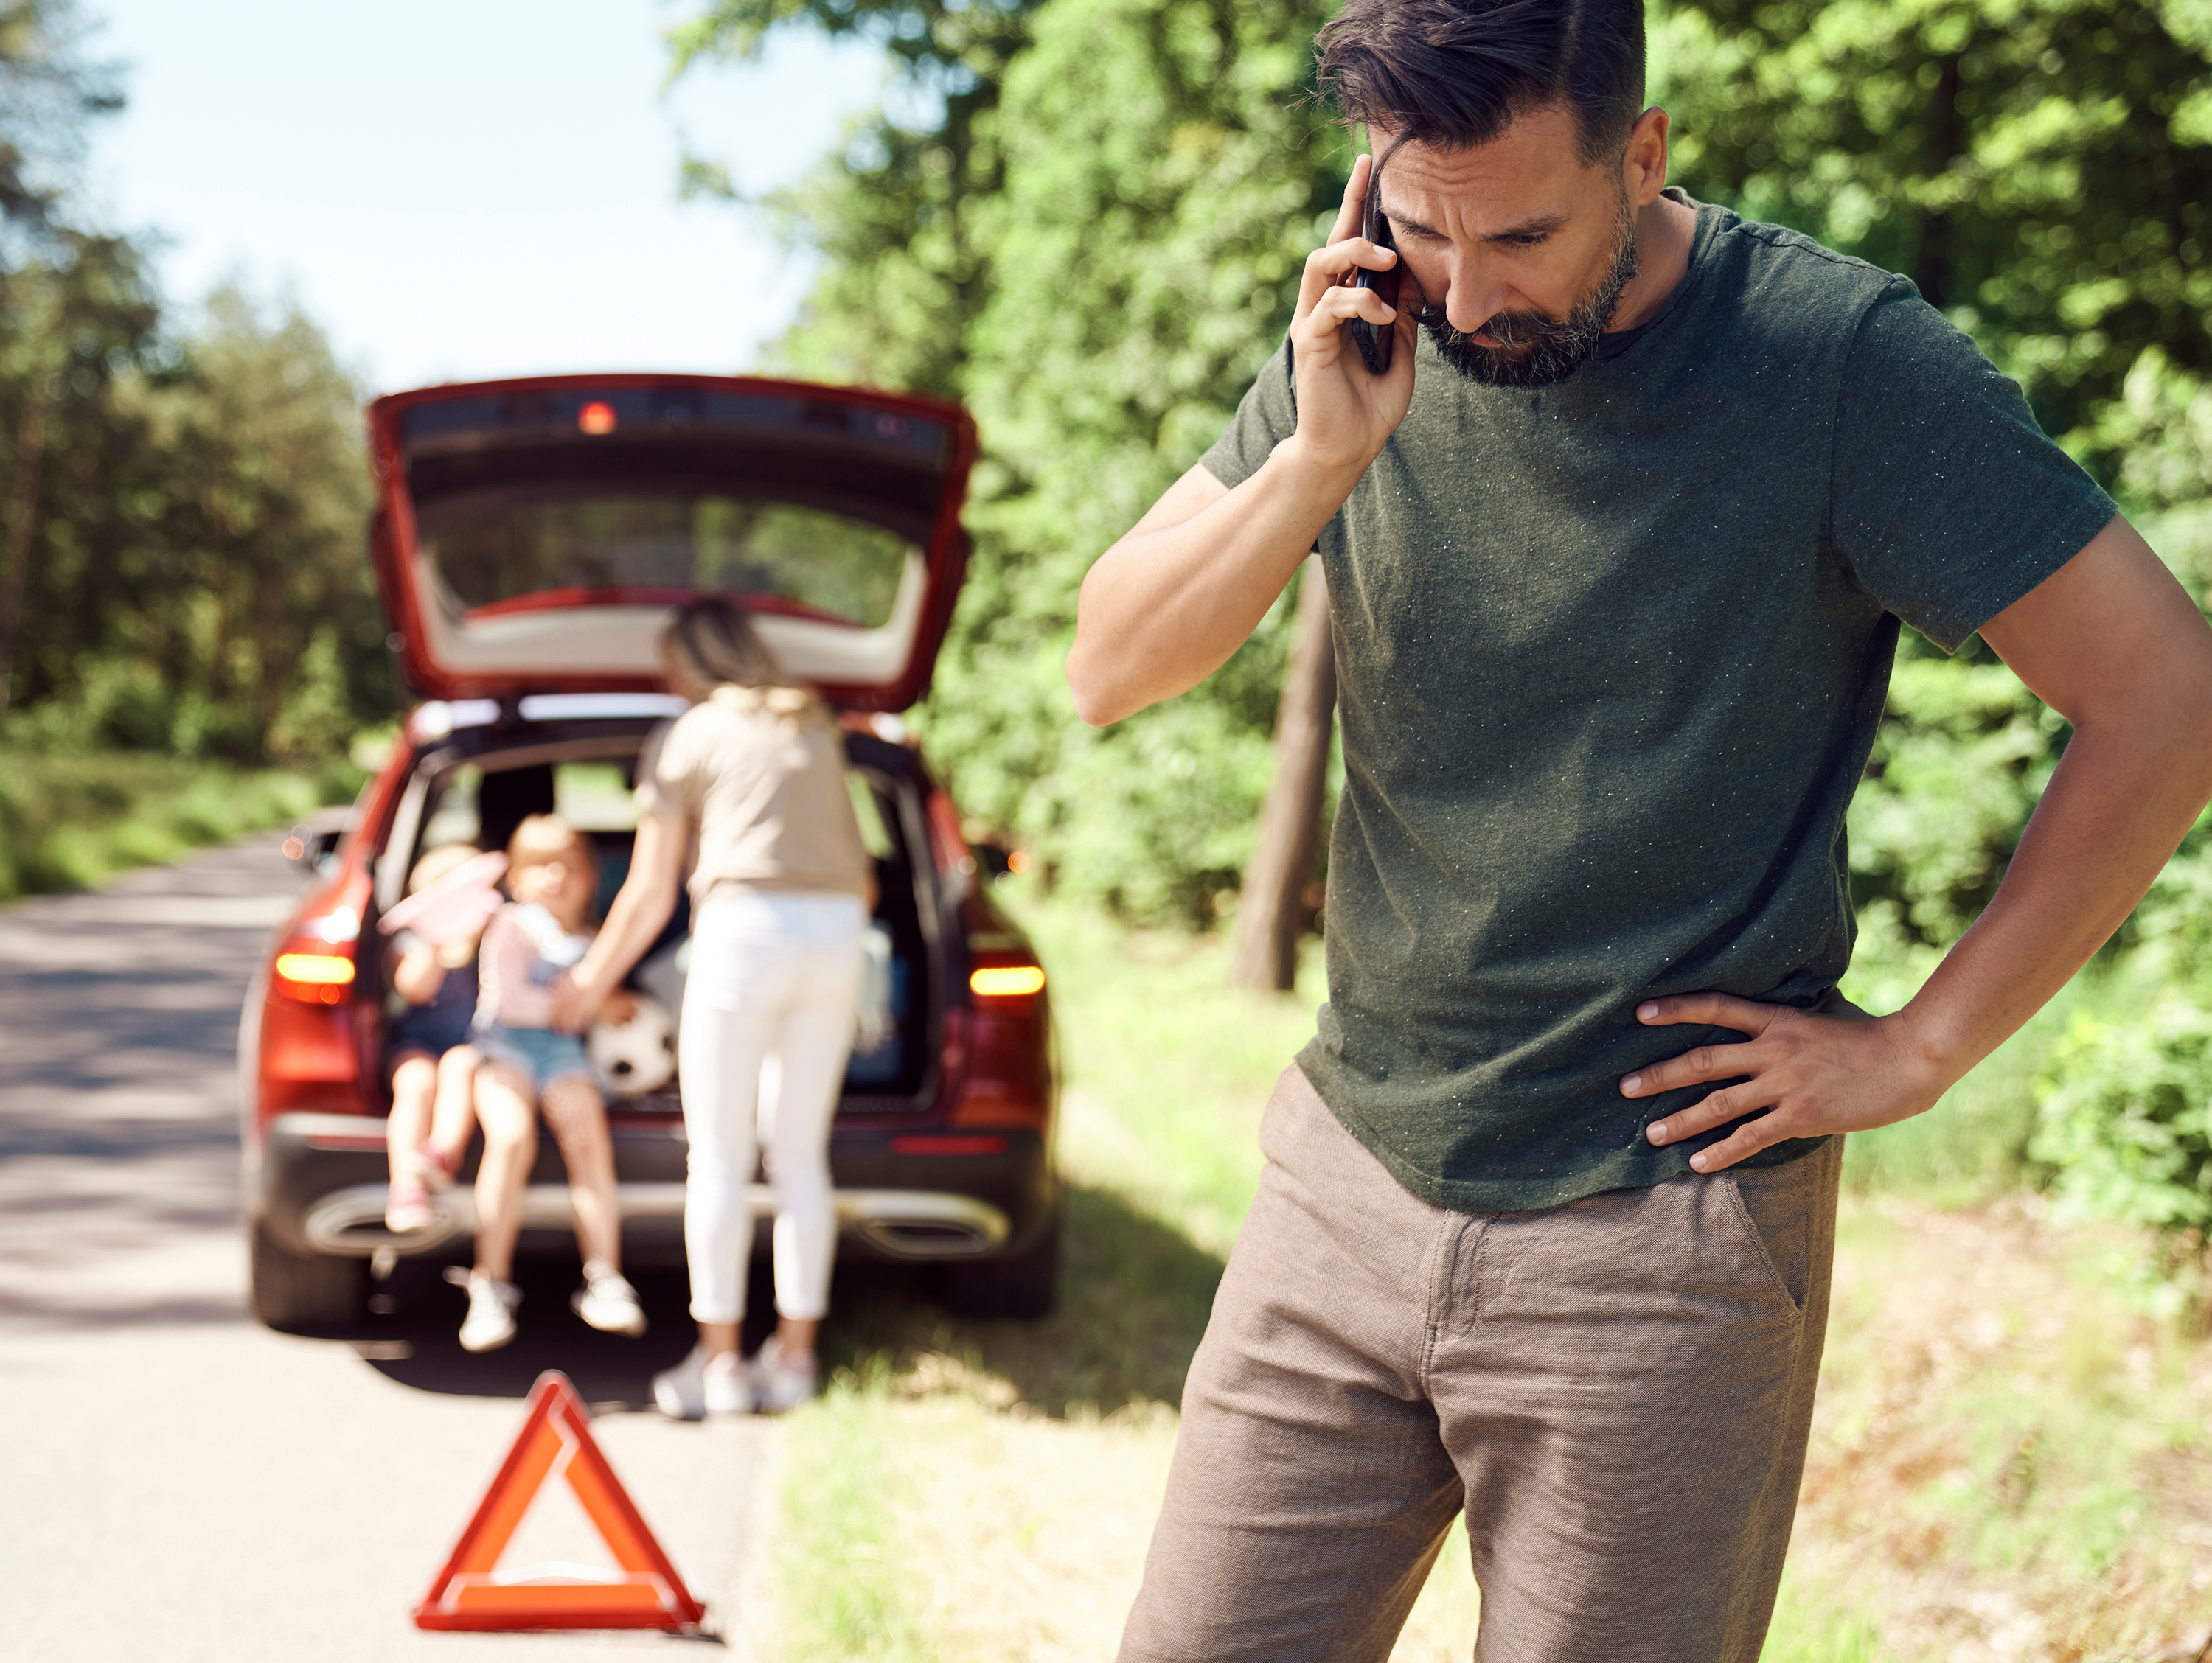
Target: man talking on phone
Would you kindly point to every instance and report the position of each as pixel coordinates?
(1616, 547)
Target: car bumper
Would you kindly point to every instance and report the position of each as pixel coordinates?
(321, 1189)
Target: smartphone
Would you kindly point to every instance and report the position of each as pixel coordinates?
(1373, 341)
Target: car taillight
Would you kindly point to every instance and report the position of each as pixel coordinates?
(1006, 1044)
(1006, 981)
(316, 963)
(321, 977)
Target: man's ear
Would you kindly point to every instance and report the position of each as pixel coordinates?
(1643, 163)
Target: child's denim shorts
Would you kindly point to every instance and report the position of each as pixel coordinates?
(545, 1055)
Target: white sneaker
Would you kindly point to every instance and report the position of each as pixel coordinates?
(491, 1321)
(608, 1303)
(780, 1383)
(698, 1387)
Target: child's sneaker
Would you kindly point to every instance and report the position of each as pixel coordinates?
(701, 1385)
(608, 1303)
(782, 1383)
(434, 1168)
(491, 1321)
(407, 1206)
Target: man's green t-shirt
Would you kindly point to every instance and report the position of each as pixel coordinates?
(1610, 657)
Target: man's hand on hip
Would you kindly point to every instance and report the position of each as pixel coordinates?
(1813, 1072)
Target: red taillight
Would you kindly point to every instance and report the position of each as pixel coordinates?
(323, 976)
(596, 417)
(1006, 981)
(315, 964)
(1008, 1074)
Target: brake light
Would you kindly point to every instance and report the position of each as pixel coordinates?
(596, 417)
(314, 978)
(1006, 981)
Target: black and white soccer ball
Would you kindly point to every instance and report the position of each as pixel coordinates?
(638, 1056)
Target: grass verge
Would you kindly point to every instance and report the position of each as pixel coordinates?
(2007, 1459)
(70, 821)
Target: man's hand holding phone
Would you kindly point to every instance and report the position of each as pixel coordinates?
(1181, 590)
(1345, 411)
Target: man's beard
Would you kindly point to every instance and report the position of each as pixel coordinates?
(1533, 350)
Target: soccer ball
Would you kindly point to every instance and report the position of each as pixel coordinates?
(640, 1055)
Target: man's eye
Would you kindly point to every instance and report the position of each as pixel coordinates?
(1530, 239)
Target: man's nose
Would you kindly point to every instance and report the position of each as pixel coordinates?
(1472, 295)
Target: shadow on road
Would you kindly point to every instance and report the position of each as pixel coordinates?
(411, 1337)
(1133, 1300)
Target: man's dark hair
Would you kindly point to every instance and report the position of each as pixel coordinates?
(1454, 74)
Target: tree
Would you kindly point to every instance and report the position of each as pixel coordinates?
(48, 94)
(906, 276)
(1272, 913)
(2041, 169)
(1110, 251)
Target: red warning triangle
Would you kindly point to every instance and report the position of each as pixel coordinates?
(472, 1592)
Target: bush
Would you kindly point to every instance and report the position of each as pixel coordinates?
(69, 821)
(2127, 1122)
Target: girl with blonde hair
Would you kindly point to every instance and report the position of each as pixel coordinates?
(753, 774)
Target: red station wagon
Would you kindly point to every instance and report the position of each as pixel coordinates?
(531, 540)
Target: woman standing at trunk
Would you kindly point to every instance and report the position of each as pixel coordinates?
(754, 774)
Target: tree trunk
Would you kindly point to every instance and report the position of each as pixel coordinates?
(1933, 258)
(22, 521)
(1271, 911)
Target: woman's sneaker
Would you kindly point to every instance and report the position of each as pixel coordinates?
(701, 1385)
(608, 1303)
(491, 1321)
(782, 1383)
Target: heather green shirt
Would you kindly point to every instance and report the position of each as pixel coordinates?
(1610, 655)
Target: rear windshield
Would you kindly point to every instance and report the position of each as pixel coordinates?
(506, 548)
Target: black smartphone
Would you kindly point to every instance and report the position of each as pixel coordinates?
(1374, 340)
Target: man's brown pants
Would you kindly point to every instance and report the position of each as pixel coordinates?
(1617, 1390)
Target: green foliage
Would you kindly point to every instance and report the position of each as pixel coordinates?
(192, 576)
(72, 821)
(1090, 229)
(2160, 429)
(180, 511)
(1961, 756)
(907, 273)
(2042, 169)
(2127, 1123)
(47, 90)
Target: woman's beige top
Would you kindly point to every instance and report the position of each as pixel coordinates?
(761, 773)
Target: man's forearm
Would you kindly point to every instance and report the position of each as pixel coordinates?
(1167, 606)
(2121, 799)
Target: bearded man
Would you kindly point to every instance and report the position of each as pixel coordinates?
(1616, 551)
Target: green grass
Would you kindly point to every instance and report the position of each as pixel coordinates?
(846, 1594)
(71, 821)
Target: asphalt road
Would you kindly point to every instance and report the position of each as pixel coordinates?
(176, 1482)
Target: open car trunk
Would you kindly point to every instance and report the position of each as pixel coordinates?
(533, 537)
(476, 787)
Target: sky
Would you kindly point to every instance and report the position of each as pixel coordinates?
(461, 188)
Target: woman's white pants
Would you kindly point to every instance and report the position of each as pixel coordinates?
(767, 1022)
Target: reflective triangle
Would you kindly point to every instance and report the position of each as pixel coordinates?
(642, 1590)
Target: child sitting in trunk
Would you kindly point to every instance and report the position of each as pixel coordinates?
(432, 1064)
(528, 1066)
